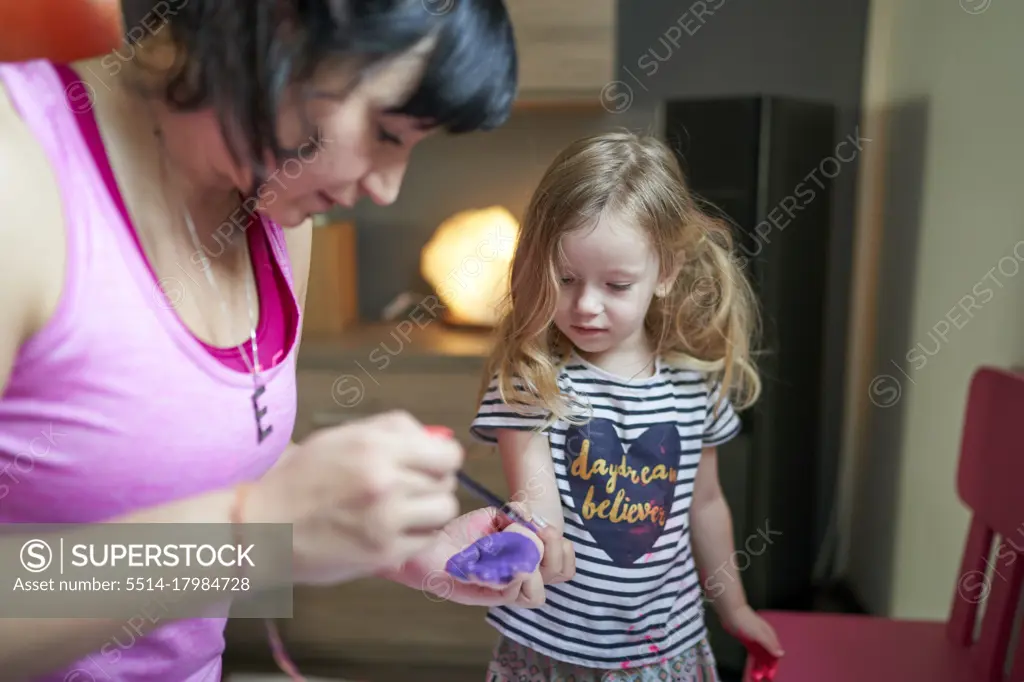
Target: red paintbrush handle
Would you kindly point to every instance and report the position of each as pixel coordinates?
(440, 431)
(59, 30)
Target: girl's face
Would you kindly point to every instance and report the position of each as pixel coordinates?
(360, 151)
(608, 278)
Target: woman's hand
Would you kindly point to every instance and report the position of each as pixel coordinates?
(360, 497)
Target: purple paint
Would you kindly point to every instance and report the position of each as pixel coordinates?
(496, 558)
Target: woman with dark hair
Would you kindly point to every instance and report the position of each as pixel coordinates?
(156, 244)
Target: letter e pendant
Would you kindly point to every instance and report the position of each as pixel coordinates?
(259, 413)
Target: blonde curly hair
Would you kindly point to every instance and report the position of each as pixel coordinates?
(707, 321)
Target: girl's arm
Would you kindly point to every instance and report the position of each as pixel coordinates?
(711, 535)
(530, 473)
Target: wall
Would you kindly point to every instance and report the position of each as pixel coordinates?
(938, 291)
(796, 48)
(451, 173)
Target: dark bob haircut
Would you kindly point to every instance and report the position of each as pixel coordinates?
(239, 56)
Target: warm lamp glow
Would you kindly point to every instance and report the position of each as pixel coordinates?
(467, 262)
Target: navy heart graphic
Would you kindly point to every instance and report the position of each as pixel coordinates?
(626, 520)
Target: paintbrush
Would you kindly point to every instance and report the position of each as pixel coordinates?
(535, 523)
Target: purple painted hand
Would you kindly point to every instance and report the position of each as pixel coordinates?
(495, 559)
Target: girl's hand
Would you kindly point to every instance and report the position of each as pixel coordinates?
(525, 589)
(558, 560)
(361, 497)
(558, 564)
(744, 623)
(528, 590)
(426, 571)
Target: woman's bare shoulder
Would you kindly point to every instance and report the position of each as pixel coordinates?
(31, 229)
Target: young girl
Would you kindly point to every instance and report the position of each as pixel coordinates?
(621, 357)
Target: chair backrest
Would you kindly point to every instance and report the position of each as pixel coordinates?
(990, 481)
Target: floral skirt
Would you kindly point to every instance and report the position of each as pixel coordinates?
(513, 662)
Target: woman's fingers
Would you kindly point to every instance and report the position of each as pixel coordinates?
(412, 446)
(430, 455)
(525, 589)
(395, 421)
(416, 483)
(362, 496)
(476, 595)
(441, 457)
(427, 513)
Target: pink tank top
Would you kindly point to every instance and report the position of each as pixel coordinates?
(115, 405)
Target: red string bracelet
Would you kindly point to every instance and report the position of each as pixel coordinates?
(284, 662)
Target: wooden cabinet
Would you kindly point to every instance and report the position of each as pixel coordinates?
(434, 374)
(566, 47)
(332, 293)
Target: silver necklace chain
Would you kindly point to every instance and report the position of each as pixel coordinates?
(208, 271)
(259, 411)
(253, 366)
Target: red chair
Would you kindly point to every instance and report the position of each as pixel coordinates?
(824, 647)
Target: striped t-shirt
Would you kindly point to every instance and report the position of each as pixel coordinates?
(626, 481)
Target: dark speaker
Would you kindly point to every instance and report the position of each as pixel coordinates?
(765, 164)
